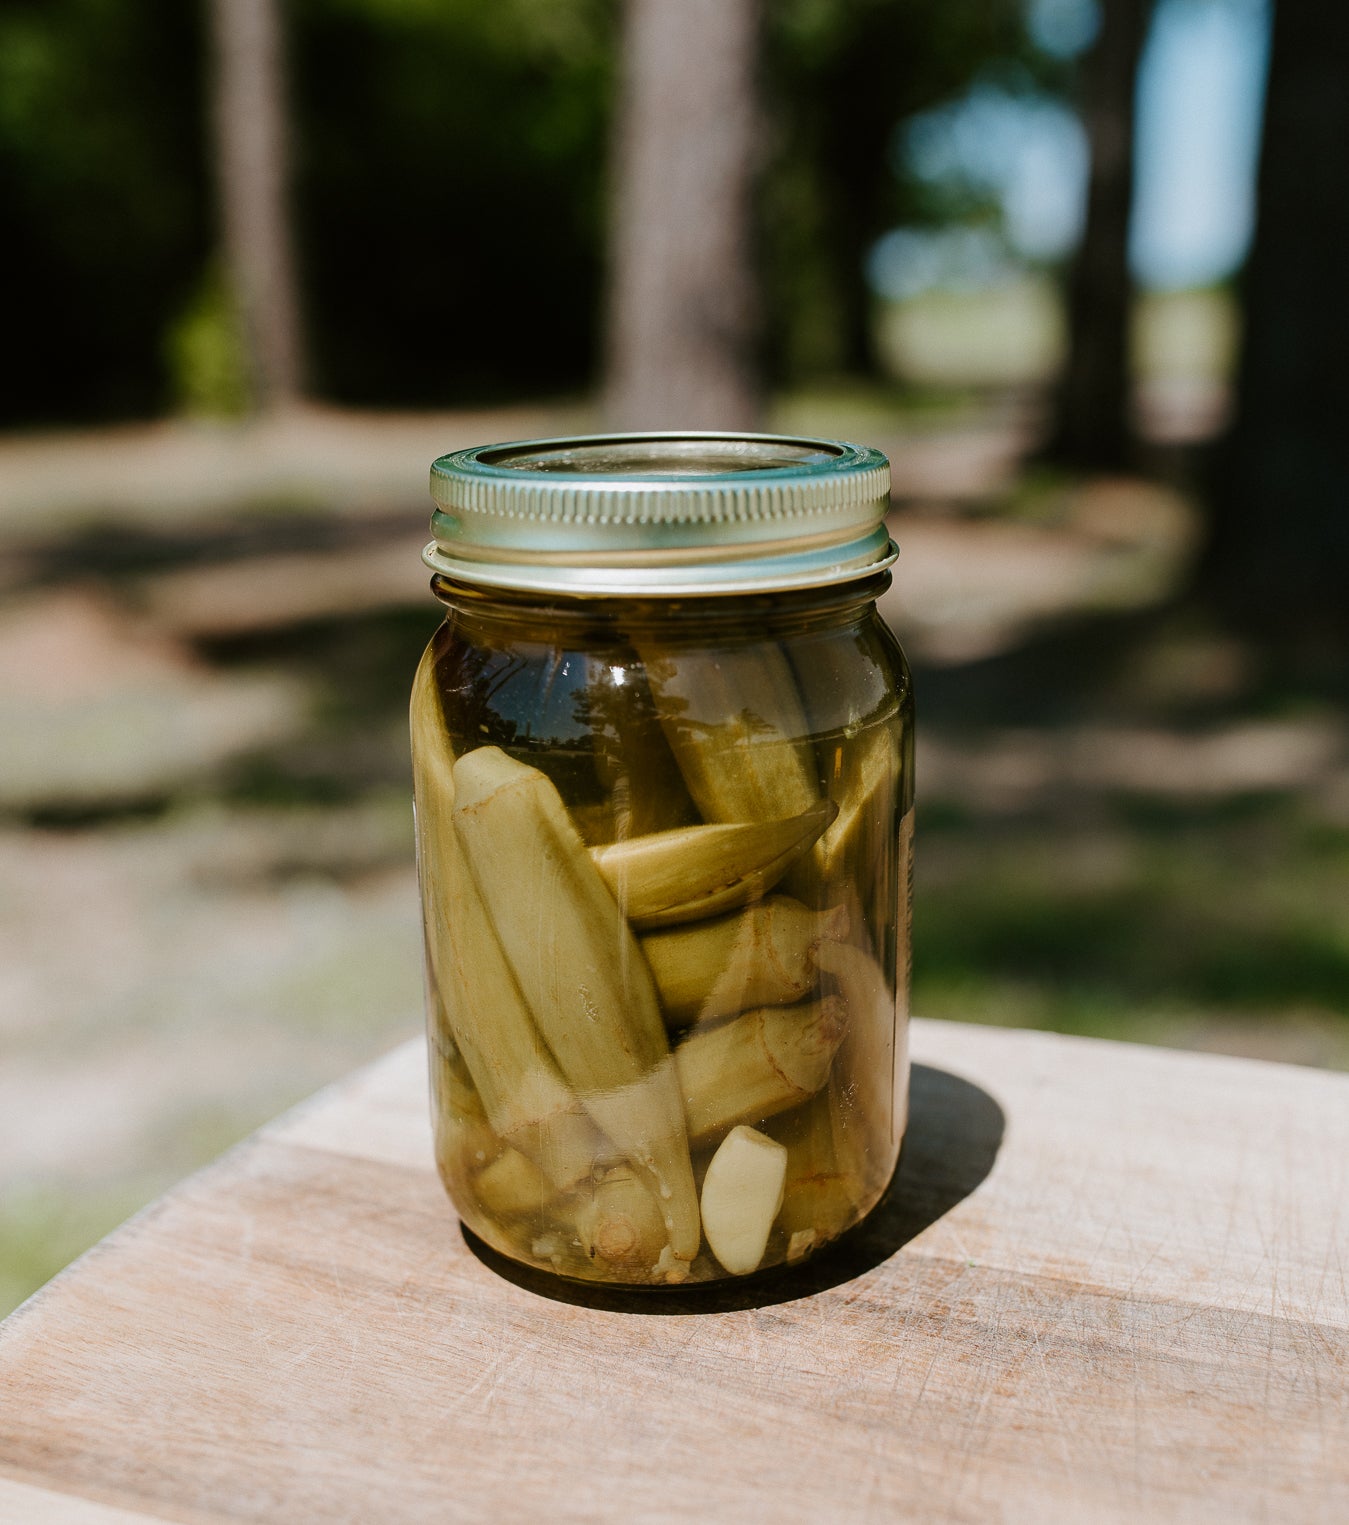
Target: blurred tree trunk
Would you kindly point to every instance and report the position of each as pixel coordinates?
(1092, 428)
(683, 300)
(251, 170)
(1278, 558)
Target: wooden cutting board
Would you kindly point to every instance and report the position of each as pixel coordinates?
(1110, 1284)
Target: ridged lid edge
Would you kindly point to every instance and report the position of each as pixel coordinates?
(672, 522)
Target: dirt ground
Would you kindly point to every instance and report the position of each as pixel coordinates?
(207, 898)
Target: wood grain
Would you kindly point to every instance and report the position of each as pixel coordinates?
(1109, 1284)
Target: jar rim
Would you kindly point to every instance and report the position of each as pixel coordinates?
(662, 512)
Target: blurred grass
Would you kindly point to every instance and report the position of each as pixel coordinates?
(41, 1232)
(1212, 927)
(1008, 335)
(1013, 335)
(207, 365)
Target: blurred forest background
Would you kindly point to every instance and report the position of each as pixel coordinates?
(1076, 265)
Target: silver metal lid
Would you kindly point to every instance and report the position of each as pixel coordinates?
(661, 514)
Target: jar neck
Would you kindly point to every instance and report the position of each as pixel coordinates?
(757, 614)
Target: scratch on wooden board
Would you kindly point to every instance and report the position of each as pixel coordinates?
(1335, 1237)
(1143, 1269)
(491, 1377)
(1234, 1196)
(348, 1327)
(1332, 1301)
(1139, 1394)
(1269, 1333)
(976, 1422)
(747, 1331)
(952, 1226)
(943, 1294)
(334, 1337)
(1038, 1336)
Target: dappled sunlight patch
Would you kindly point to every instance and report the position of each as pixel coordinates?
(1194, 929)
(970, 588)
(1018, 769)
(96, 708)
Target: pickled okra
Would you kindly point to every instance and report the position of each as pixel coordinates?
(524, 1097)
(674, 877)
(590, 1113)
(757, 1064)
(738, 732)
(579, 969)
(764, 955)
(618, 1008)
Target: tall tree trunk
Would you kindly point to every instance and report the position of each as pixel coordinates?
(683, 305)
(1091, 427)
(1278, 558)
(251, 158)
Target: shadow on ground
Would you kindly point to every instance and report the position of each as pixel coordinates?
(954, 1134)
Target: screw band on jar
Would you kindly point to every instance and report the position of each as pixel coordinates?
(661, 514)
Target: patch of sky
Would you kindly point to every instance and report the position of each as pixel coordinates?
(1008, 144)
(1004, 143)
(906, 262)
(1201, 90)
(1063, 28)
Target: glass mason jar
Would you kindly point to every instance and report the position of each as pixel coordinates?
(663, 753)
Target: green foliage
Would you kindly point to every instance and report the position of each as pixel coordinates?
(451, 193)
(449, 181)
(207, 365)
(448, 160)
(102, 197)
(840, 76)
